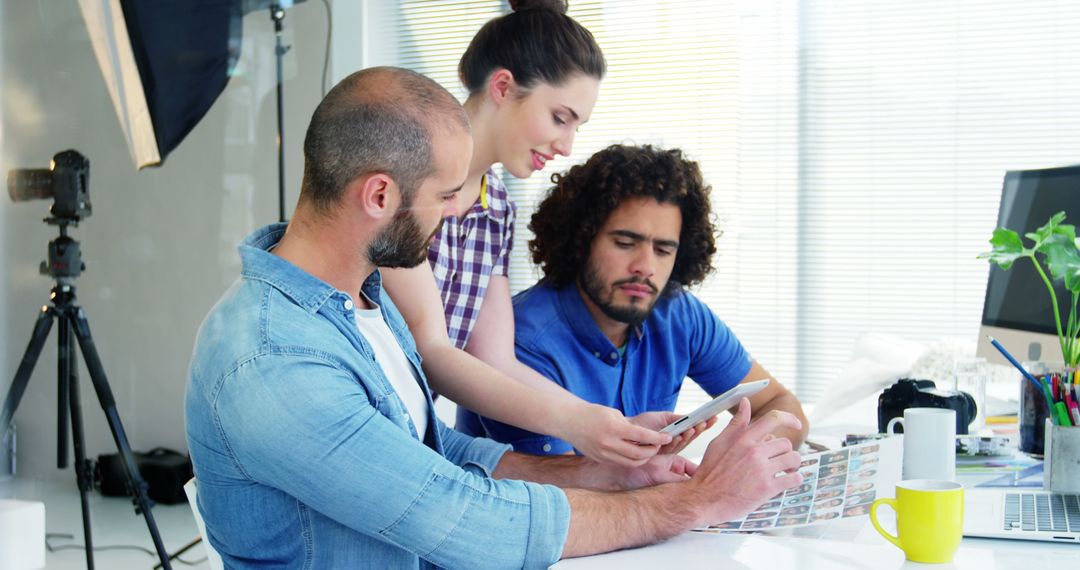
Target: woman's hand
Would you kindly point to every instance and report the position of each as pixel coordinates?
(605, 435)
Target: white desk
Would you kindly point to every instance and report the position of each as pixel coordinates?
(868, 550)
(844, 543)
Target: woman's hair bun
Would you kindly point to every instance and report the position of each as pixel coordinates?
(558, 6)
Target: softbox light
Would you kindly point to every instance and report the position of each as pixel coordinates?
(165, 62)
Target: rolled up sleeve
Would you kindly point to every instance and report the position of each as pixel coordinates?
(485, 523)
(550, 525)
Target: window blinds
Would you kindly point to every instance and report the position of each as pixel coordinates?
(855, 149)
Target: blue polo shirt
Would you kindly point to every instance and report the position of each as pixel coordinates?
(557, 336)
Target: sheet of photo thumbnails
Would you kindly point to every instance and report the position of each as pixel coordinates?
(836, 484)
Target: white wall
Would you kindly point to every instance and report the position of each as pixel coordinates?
(160, 245)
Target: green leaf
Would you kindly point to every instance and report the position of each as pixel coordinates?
(1062, 256)
(1044, 233)
(1007, 248)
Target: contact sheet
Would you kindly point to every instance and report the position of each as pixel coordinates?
(836, 484)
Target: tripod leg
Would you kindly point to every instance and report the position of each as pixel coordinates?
(26, 366)
(108, 404)
(182, 550)
(82, 466)
(65, 351)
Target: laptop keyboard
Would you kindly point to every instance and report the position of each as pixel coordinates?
(1050, 512)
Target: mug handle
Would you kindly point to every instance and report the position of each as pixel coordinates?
(892, 422)
(873, 518)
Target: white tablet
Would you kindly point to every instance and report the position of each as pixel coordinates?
(715, 406)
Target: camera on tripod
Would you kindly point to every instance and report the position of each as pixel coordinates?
(66, 181)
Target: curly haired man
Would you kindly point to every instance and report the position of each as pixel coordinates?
(619, 239)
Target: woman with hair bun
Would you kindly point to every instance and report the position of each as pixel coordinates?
(533, 76)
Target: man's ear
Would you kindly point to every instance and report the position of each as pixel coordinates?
(375, 194)
(501, 85)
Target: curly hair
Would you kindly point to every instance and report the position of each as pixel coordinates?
(579, 204)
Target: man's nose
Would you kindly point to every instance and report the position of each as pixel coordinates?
(644, 263)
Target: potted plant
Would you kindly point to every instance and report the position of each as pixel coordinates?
(1054, 245)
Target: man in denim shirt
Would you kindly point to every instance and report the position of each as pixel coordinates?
(308, 417)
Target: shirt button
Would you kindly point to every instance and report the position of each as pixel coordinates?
(596, 354)
(547, 447)
(614, 355)
(348, 304)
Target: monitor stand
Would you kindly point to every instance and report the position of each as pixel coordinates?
(1025, 346)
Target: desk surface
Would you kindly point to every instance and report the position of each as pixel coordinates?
(868, 550)
(844, 543)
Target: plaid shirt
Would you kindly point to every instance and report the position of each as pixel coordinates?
(467, 252)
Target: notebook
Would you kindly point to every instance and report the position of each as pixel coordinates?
(1022, 514)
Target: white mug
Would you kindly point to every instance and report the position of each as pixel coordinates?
(929, 443)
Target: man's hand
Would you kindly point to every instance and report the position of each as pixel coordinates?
(658, 420)
(745, 466)
(776, 396)
(655, 471)
(605, 435)
(665, 468)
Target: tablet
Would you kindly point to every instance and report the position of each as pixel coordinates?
(715, 406)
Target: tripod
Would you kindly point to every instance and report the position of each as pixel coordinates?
(64, 264)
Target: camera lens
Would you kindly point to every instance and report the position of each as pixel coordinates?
(30, 184)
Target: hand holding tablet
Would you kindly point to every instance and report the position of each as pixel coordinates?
(715, 406)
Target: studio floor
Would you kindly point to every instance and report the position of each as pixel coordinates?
(114, 523)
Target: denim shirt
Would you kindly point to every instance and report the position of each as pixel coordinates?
(306, 457)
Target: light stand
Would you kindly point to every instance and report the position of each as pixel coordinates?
(277, 14)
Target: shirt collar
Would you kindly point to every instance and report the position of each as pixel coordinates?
(303, 288)
(498, 199)
(577, 315)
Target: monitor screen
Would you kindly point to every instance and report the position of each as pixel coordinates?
(1018, 299)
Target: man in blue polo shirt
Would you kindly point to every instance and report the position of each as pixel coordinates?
(618, 240)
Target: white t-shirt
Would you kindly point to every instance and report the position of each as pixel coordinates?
(394, 364)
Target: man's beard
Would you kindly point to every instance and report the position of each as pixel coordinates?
(401, 244)
(602, 296)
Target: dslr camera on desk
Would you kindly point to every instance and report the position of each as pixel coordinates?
(908, 393)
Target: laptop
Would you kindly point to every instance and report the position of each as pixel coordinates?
(1022, 514)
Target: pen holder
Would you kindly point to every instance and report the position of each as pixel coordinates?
(1061, 468)
(1034, 413)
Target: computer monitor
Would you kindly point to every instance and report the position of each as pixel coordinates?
(1017, 309)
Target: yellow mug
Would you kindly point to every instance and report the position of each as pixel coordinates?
(929, 519)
